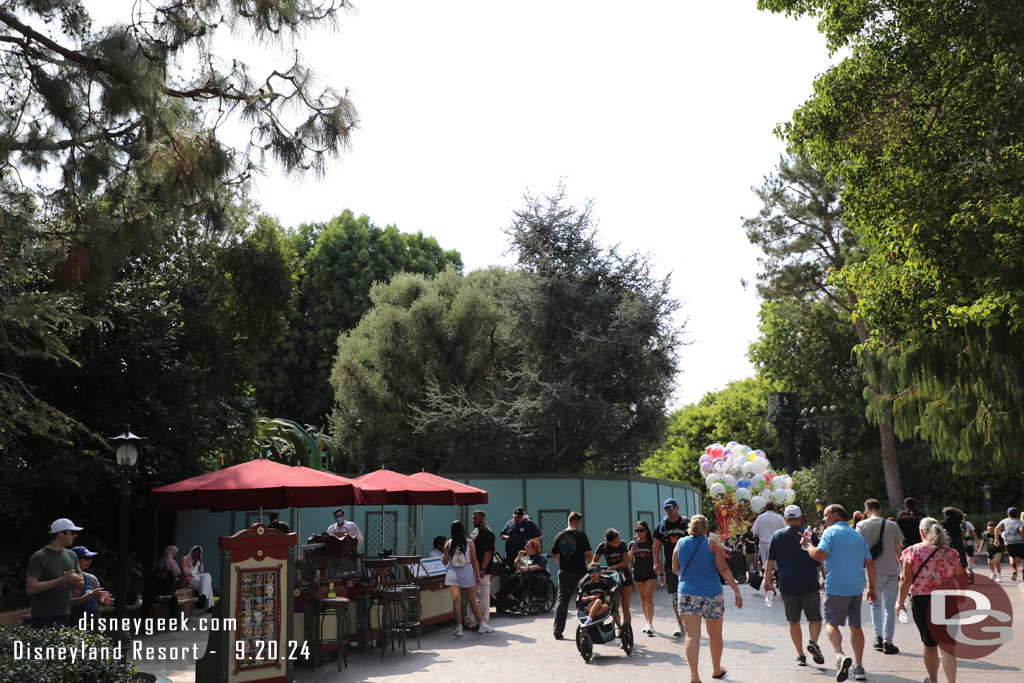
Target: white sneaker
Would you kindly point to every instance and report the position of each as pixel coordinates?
(997, 578)
(679, 631)
(486, 628)
(457, 631)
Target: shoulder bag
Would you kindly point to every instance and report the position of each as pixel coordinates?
(878, 547)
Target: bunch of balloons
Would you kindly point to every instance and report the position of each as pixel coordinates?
(741, 479)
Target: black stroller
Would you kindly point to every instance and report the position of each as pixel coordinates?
(607, 628)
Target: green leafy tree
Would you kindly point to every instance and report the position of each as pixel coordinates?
(563, 364)
(112, 140)
(597, 342)
(339, 263)
(735, 413)
(805, 241)
(922, 121)
(421, 336)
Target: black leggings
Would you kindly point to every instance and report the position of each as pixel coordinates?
(919, 608)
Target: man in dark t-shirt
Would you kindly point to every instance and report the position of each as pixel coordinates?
(750, 550)
(909, 522)
(571, 550)
(798, 582)
(673, 527)
(483, 541)
(516, 533)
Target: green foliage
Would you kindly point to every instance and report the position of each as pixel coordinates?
(286, 442)
(420, 336)
(735, 413)
(922, 121)
(561, 365)
(598, 345)
(111, 148)
(60, 669)
(339, 263)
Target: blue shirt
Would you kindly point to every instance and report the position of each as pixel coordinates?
(700, 576)
(798, 571)
(844, 564)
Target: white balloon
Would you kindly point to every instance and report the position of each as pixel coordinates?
(749, 469)
(742, 494)
(721, 466)
(729, 481)
(757, 503)
(757, 482)
(717, 490)
(739, 449)
(789, 482)
(790, 496)
(713, 479)
(762, 465)
(779, 483)
(779, 496)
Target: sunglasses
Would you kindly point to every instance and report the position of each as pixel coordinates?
(593, 571)
(639, 529)
(670, 507)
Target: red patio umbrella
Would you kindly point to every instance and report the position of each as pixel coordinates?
(264, 484)
(405, 490)
(464, 493)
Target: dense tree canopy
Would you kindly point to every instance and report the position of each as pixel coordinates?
(563, 364)
(338, 264)
(924, 123)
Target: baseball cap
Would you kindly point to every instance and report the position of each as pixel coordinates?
(670, 501)
(83, 552)
(1011, 512)
(63, 524)
(519, 511)
(792, 512)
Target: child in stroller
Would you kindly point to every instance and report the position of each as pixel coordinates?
(597, 615)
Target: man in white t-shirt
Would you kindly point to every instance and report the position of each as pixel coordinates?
(766, 524)
(341, 528)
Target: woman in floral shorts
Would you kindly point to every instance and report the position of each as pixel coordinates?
(697, 561)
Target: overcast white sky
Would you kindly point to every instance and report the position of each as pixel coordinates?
(661, 112)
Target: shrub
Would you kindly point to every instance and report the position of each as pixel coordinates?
(59, 669)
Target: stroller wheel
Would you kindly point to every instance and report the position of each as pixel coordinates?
(586, 647)
(579, 636)
(627, 638)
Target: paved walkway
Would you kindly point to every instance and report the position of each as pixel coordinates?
(757, 649)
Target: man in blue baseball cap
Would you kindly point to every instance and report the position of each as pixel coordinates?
(673, 527)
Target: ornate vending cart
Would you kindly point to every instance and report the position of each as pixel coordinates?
(256, 611)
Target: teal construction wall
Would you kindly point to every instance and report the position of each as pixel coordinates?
(604, 501)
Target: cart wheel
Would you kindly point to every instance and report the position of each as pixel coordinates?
(548, 596)
(627, 638)
(586, 647)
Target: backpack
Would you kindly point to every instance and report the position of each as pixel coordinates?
(458, 559)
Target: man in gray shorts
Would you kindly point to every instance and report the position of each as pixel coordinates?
(798, 583)
(845, 555)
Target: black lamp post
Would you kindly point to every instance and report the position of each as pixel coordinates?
(126, 449)
(825, 417)
(987, 490)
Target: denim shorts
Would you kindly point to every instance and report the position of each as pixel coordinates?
(710, 608)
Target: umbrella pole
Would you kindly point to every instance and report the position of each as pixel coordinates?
(420, 546)
(261, 514)
(382, 527)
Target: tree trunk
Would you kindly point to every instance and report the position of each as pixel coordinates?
(887, 435)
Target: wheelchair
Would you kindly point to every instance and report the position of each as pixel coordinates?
(526, 593)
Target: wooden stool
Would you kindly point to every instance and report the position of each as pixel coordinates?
(340, 607)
